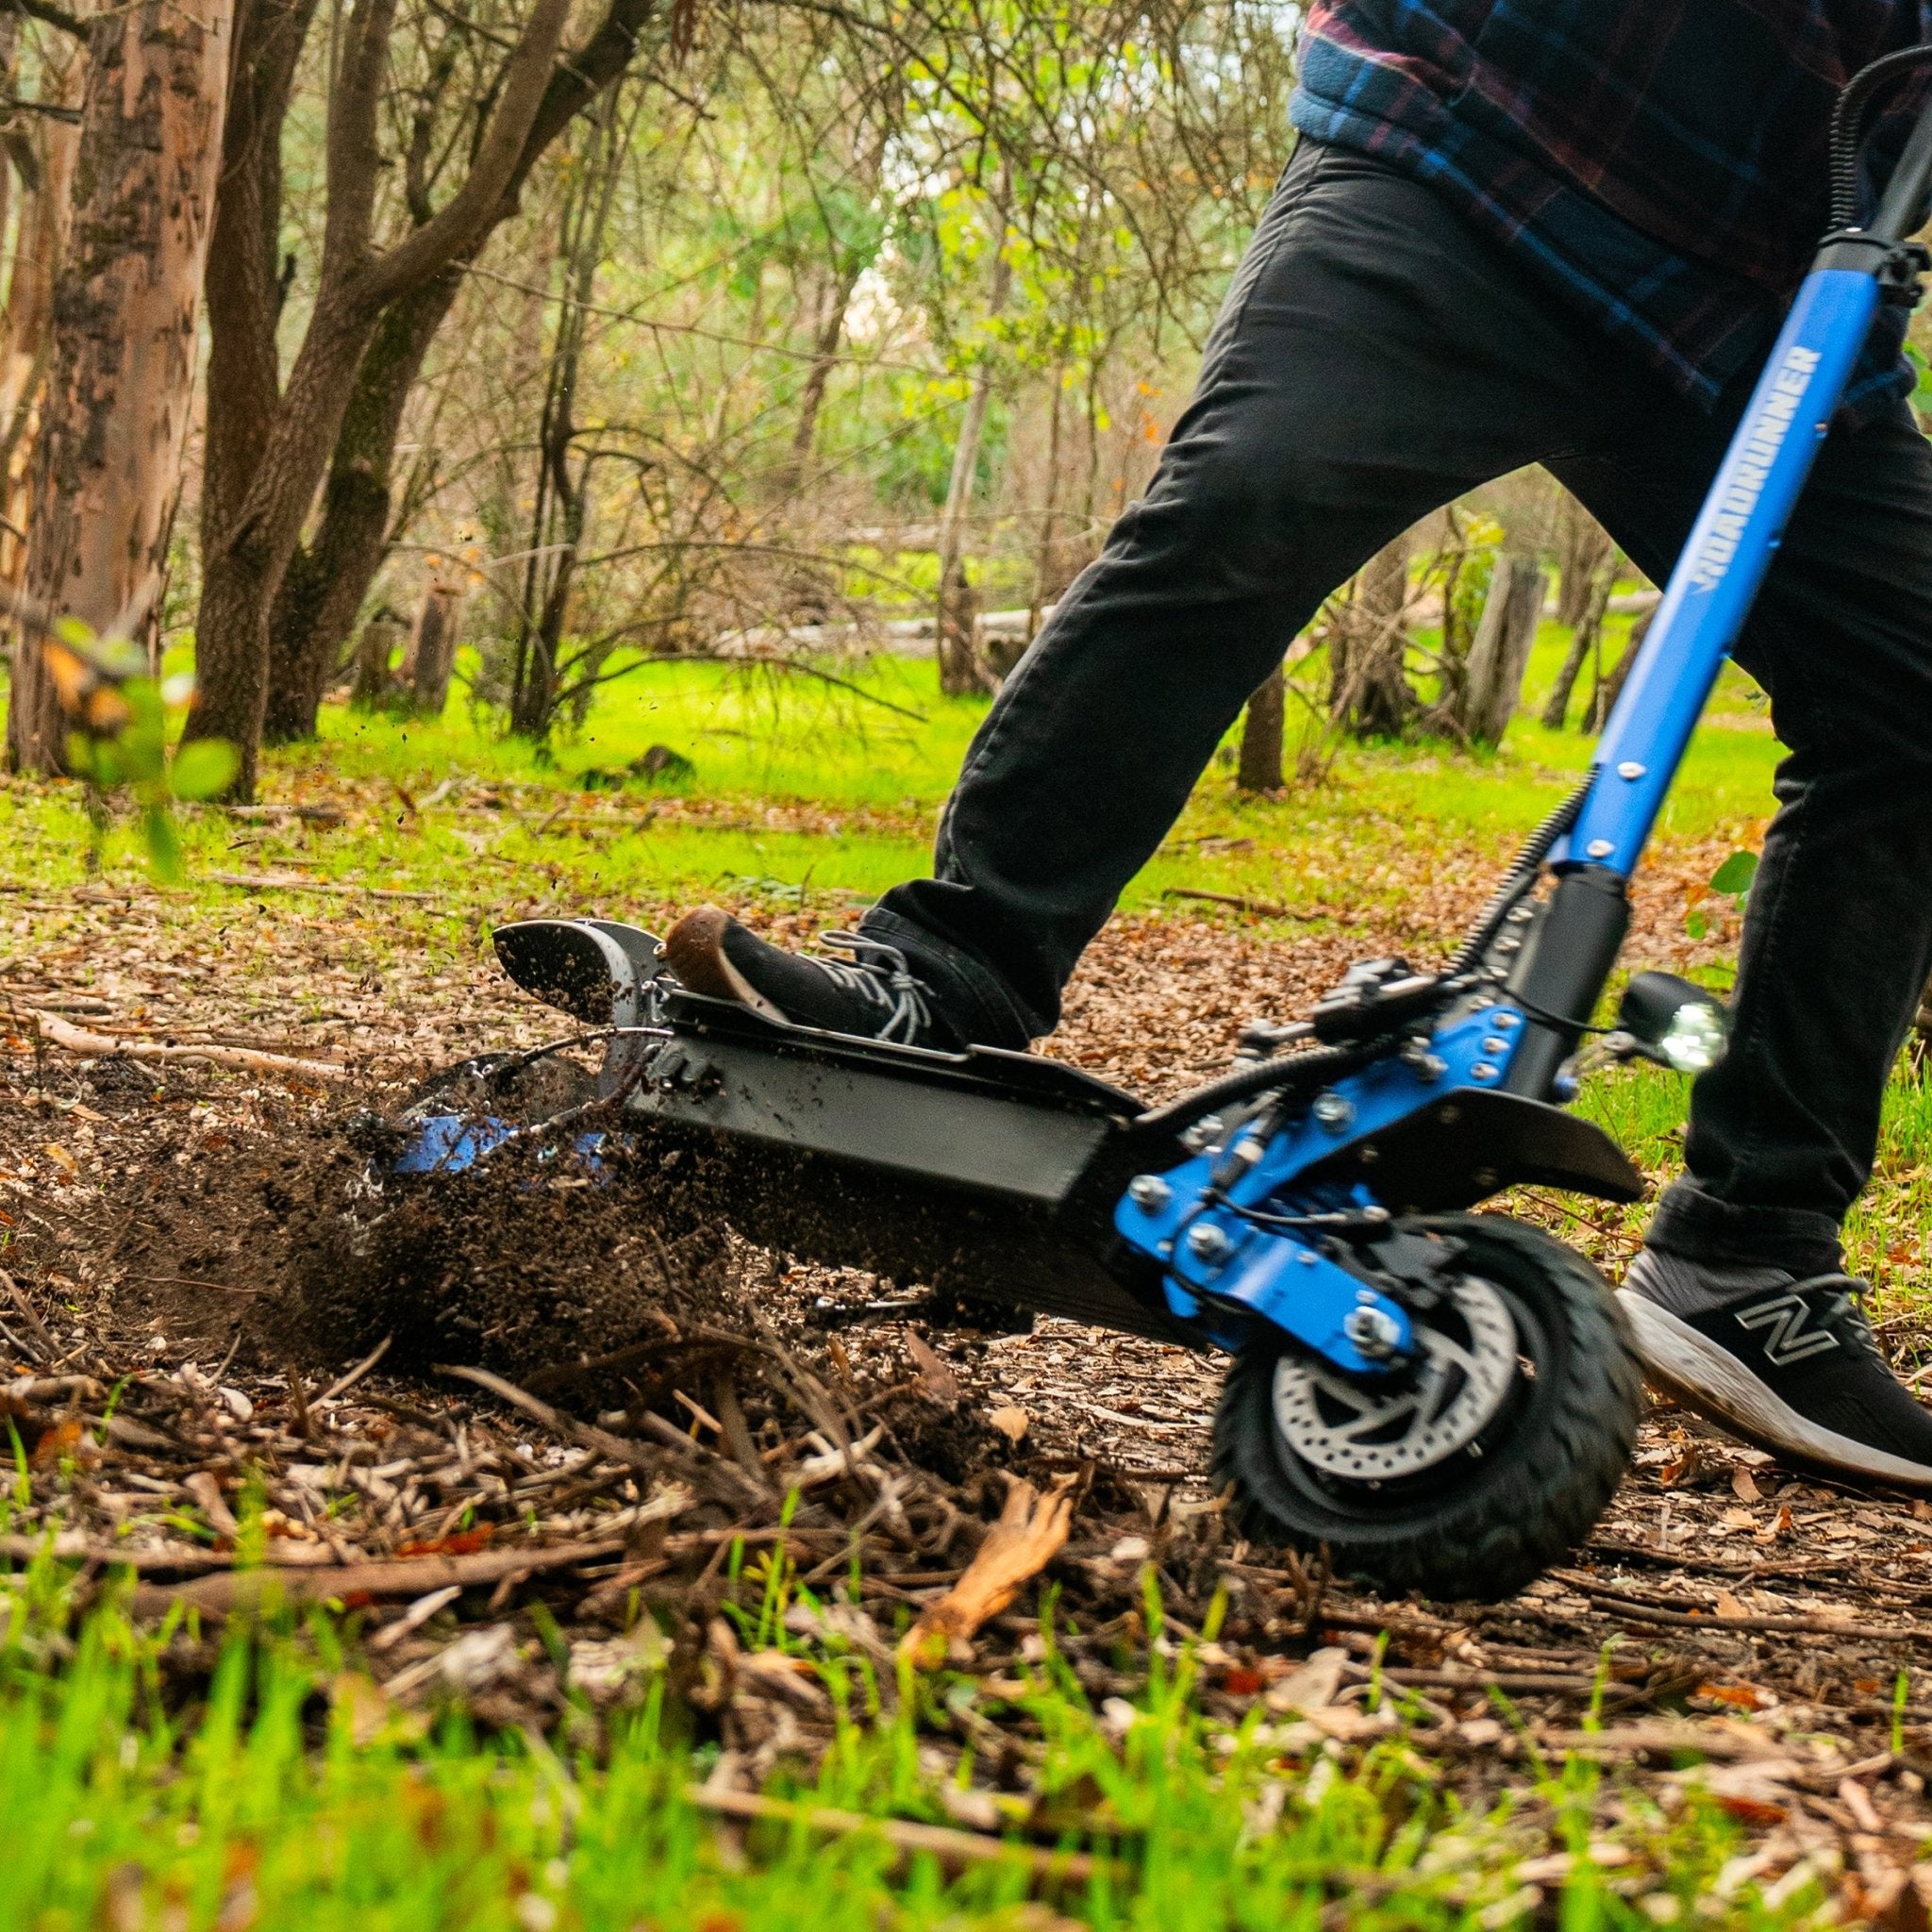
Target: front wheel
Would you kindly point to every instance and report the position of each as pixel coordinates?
(1485, 1465)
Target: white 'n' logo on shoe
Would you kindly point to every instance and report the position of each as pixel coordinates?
(1788, 1341)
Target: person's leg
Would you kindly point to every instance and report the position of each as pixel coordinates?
(1838, 929)
(1737, 1303)
(1374, 359)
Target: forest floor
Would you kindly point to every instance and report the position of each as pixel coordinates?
(695, 1594)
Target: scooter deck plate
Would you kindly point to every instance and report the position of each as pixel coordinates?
(985, 1174)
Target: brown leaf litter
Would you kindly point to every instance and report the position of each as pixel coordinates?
(584, 1404)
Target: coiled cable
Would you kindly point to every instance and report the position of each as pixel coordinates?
(1848, 127)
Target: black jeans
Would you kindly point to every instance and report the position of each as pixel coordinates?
(1376, 358)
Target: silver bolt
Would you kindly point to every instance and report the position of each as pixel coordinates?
(1202, 1134)
(1333, 1110)
(1373, 1331)
(1207, 1244)
(1482, 1071)
(1429, 1067)
(1149, 1192)
(1306, 1257)
(1599, 848)
(1494, 1045)
(1250, 1149)
(1630, 769)
(1505, 1021)
(1509, 943)
(1520, 915)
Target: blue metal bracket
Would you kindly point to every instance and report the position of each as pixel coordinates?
(1221, 1267)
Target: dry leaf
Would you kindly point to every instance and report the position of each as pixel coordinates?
(1030, 1533)
(66, 1440)
(1348, 1723)
(1744, 1696)
(933, 1376)
(1312, 1688)
(1010, 1422)
(1729, 1606)
(1743, 1487)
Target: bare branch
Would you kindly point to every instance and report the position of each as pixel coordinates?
(463, 221)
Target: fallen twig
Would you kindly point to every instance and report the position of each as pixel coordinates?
(275, 882)
(948, 1843)
(410, 1576)
(344, 1382)
(244, 1059)
(182, 1559)
(617, 1448)
(1261, 908)
(36, 1328)
(1788, 1626)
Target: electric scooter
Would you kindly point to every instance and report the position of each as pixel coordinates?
(1444, 1400)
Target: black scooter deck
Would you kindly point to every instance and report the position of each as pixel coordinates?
(987, 1174)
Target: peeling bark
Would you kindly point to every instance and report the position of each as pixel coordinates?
(121, 385)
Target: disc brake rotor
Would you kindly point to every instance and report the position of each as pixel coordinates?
(1349, 1428)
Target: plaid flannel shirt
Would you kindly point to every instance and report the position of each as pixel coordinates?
(1660, 162)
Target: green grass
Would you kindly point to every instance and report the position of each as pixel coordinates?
(282, 1791)
(871, 781)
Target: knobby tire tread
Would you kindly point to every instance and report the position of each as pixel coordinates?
(1490, 1543)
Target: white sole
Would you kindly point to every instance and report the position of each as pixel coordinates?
(1716, 1384)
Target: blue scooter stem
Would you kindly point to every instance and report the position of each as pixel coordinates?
(1722, 567)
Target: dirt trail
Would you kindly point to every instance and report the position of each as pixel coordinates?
(178, 1231)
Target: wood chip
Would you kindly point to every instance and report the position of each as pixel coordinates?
(1031, 1531)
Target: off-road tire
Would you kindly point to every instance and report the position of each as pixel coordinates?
(1477, 1526)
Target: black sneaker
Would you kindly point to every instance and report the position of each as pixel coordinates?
(873, 994)
(1789, 1365)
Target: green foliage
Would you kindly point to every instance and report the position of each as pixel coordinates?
(1733, 878)
(292, 1794)
(124, 744)
(1736, 874)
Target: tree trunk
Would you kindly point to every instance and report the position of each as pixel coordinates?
(1584, 644)
(374, 684)
(1606, 691)
(961, 670)
(562, 493)
(1586, 548)
(122, 383)
(432, 653)
(1500, 654)
(269, 448)
(45, 211)
(812, 398)
(315, 610)
(1370, 694)
(1259, 769)
(1048, 588)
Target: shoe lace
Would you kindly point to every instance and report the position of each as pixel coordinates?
(879, 973)
(1853, 1290)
